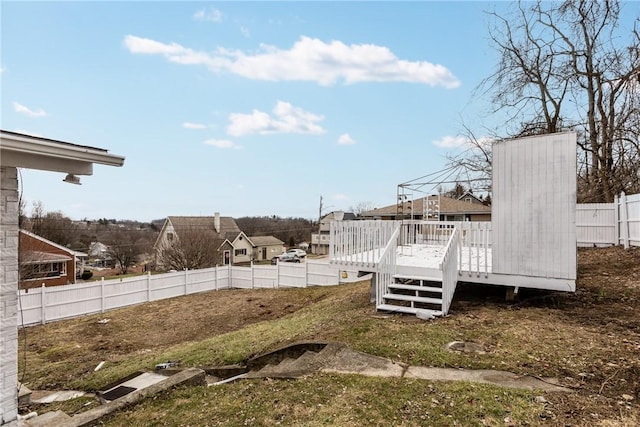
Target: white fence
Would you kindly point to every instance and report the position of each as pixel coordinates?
(605, 224)
(41, 305)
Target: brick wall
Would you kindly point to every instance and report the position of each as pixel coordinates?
(28, 243)
(8, 294)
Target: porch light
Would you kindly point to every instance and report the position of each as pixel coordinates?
(72, 179)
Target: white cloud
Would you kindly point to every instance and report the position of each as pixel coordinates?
(285, 119)
(222, 143)
(189, 125)
(2, 69)
(345, 139)
(339, 196)
(19, 108)
(245, 32)
(308, 59)
(211, 15)
(451, 141)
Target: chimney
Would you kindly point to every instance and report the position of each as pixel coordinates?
(216, 222)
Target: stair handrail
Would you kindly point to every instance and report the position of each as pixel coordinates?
(449, 268)
(386, 266)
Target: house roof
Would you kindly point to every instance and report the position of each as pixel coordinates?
(54, 244)
(41, 257)
(265, 241)
(470, 194)
(345, 216)
(206, 225)
(34, 152)
(447, 206)
(227, 224)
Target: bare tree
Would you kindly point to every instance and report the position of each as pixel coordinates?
(565, 66)
(362, 207)
(125, 247)
(473, 165)
(54, 226)
(191, 249)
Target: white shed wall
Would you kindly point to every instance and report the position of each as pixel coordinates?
(534, 206)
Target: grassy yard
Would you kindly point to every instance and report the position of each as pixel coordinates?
(589, 340)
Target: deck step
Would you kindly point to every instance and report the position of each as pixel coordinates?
(415, 288)
(423, 278)
(425, 300)
(408, 310)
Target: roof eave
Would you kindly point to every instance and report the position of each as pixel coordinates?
(19, 150)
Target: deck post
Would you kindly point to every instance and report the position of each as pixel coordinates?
(372, 290)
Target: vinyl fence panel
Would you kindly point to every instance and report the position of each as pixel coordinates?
(41, 305)
(596, 224)
(129, 291)
(322, 274)
(629, 219)
(265, 276)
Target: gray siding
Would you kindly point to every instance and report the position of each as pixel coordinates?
(8, 294)
(534, 206)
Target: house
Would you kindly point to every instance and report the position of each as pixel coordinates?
(468, 196)
(439, 208)
(196, 242)
(43, 262)
(320, 240)
(266, 247)
(242, 248)
(99, 255)
(18, 150)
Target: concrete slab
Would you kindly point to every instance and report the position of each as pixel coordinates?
(353, 362)
(144, 380)
(191, 376)
(138, 382)
(486, 376)
(24, 394)
(48, 419)
(40, 396)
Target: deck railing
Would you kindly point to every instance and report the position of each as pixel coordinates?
(386, 266)
(425, 232)
(474, 253)
(359, 242)
(449, 267)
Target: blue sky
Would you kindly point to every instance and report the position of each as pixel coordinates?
(242, 108)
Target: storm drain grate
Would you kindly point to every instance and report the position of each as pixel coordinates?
(118, 392)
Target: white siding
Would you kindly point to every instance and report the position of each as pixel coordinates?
(534, 206)
(8, 294)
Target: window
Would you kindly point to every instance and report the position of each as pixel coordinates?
(169, 236)
(39, 271)
(239, 252)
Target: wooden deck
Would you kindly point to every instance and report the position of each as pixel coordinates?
(415, 256)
